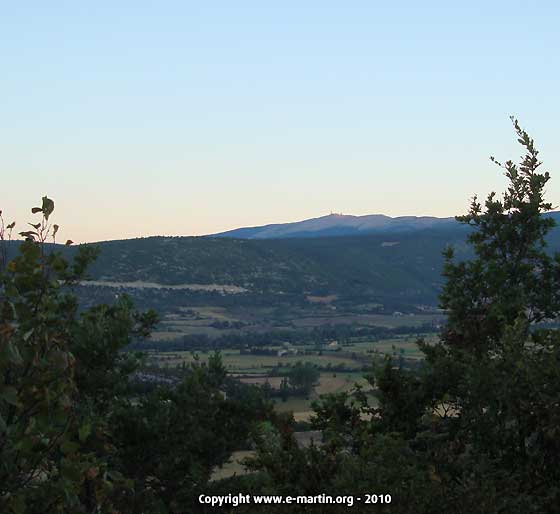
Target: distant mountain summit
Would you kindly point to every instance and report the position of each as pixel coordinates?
(340, 225)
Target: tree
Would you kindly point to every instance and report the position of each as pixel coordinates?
(486, 413)
(49, 435)
(303, 377)
(511, 274)
(477, 427)
(76, 434)
(170, 441)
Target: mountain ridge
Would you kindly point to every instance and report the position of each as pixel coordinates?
(391, 268)
(344, 225)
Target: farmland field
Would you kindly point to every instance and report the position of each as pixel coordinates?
(255, 369)
(216, 321)
(249, 363)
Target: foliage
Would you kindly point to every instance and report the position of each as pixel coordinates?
(477, 428)
(73, 438)
(489, 418)
(43, 465)
(303, 376)
(171, 440)
(511, 274)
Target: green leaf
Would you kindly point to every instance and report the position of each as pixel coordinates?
(68, 447)
(11, 353)
(48, 207)
(60, 361)
(9, 395)
(25, 445)
(65, 401)
(29, 234)
(84, 431)
(70, 471)
(115, 475)
(18, 504)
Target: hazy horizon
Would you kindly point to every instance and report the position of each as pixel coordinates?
(183, 119)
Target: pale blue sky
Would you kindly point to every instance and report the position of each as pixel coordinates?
(178, 117)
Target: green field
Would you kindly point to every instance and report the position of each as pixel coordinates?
(202, 320)
(237, 363)
(405, 345)
(255, 369)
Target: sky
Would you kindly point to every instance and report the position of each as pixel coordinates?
(185, 118)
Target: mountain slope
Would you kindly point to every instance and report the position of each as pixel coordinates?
(346, 225)
(402, 266)
(338, 225)
(398, 265)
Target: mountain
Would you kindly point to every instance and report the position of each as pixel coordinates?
(340, 225)
(399, 266)
(402, 267)
(402, 263)
(381, 267)
(347, 225)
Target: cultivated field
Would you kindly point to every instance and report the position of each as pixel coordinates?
(340, 370)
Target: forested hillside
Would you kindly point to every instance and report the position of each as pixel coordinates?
(383, 266)
(405, 266)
